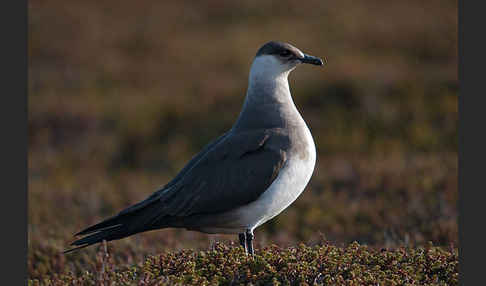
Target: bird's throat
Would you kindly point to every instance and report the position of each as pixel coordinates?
(268, 102)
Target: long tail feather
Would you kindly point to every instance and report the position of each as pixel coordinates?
(120, 226)
(106, 234)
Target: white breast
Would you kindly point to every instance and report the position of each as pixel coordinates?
(288, 185)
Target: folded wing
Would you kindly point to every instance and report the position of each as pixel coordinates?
(232, 171)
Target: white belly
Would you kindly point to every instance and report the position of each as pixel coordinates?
(289, 184)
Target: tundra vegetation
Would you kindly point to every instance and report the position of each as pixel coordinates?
(122, 96)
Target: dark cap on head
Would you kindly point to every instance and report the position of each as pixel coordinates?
(276, 48)
(287, 51)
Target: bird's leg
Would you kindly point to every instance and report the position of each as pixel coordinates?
(249, 241)
(242, 238)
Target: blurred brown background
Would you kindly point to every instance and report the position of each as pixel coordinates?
(123, 93)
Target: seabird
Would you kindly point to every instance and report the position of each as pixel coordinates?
(240, 180)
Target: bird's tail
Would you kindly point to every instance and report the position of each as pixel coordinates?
(106, 234)
(122, 225)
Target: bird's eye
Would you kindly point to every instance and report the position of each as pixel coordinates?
(285, 53)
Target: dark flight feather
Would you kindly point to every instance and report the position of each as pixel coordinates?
(234, 169)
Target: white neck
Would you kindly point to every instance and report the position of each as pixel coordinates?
(268, 81)
(268, 100)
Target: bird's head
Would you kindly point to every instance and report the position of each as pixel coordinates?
(275, 58)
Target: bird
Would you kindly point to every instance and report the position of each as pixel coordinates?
(243, 178)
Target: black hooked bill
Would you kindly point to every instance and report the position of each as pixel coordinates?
(308, 59)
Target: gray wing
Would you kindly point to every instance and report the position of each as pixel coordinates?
(232, 171)
(235, 172)
(156, 195)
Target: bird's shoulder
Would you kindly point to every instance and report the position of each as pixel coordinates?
(238, 143)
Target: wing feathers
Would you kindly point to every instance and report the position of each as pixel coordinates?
(230, 172)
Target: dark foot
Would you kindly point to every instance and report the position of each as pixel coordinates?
(242, 238)
(249, 241)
